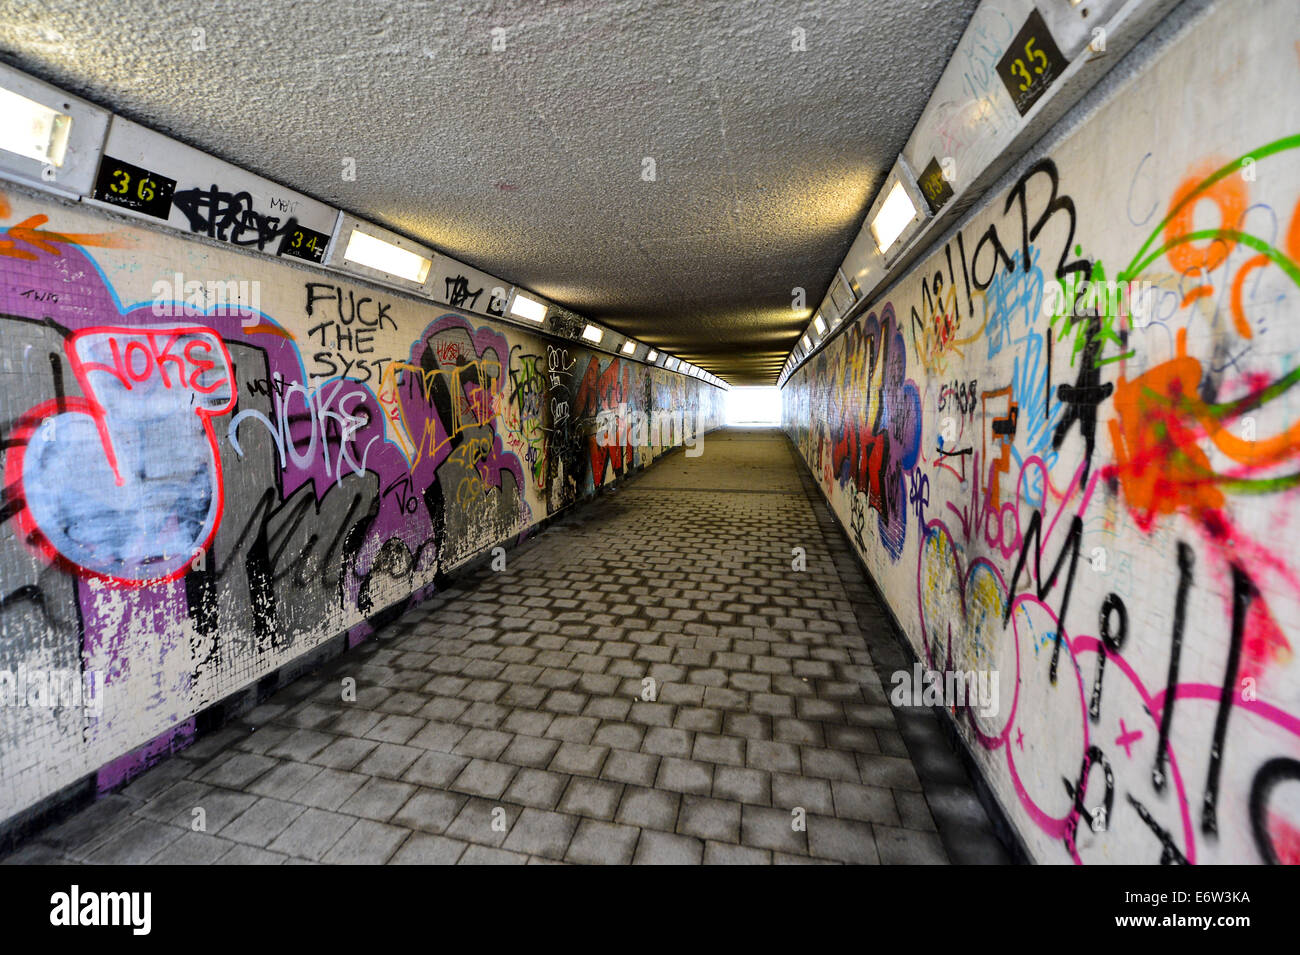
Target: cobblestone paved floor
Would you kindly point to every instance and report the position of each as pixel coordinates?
(504, 721)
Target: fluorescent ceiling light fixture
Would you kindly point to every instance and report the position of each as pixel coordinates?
(807, 343)
(629, 348)
(529, 308)
(820, 323)
(652, 356)
(593, 334)
(33, 130)
(895, 215)
(375, 253)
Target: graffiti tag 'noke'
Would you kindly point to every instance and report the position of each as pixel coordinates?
(97, 496)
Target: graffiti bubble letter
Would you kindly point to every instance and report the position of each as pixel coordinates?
(130, 486)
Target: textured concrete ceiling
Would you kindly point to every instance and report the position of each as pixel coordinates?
(528, 162)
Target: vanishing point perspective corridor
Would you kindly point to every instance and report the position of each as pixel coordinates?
(648, 432)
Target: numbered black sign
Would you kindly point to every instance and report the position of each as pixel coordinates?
(303, 243)
(1031, 64)
(131, 187)
(934, 185)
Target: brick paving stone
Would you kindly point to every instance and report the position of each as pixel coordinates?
(664, 848)
(261, 822)
(435, 769)
(579, 759)
(591, 798)
(636, 768)
(742, 785)
(684, 776)
(248, 855)
(771, 829)
(312, 834)
(135, 843)
(843, 840)
(719, 853)
(366, 843)
(649, 808)
(378, 799)
(536, 787)
(285, 780)
(484, 822)
(909, 847)
(193, 848)
(484, 777)
(602, 843)
(482, 855)
(543, 833)
(421, 849)
(344, 753)
(430, 810)
(389, 760)
(709, 819)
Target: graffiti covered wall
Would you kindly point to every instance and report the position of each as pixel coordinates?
(1067, 446)
(197, 492)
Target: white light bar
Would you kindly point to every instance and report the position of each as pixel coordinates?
(895, 215)
(528, 308)
(48, 138)
(593, 334)
(652, 356)
(33, 130)
(375, 253)
(820, 323)
(629, 348)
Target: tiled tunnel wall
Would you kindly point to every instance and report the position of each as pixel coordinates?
(197, 495)
(1089, 489)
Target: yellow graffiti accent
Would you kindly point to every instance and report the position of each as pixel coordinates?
(469, 408)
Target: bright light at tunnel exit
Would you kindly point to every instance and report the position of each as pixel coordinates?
(758, 406)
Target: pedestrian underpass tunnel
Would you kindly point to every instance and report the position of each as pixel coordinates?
(650, 433)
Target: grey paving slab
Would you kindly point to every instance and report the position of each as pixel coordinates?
(312, 834)
(665, 848)
(602, 843)
(366, 843)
